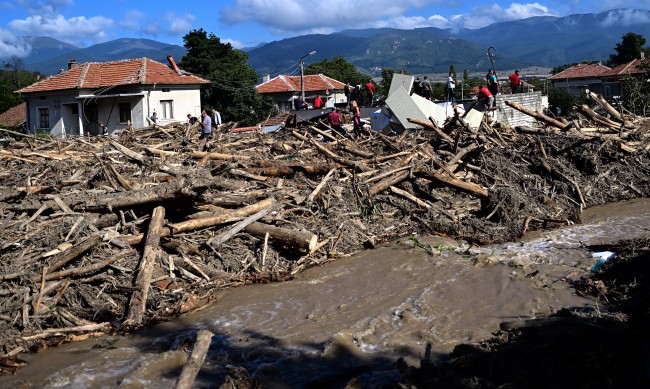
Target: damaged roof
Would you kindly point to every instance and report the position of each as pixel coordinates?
(92, 75)
(313, 83)
(632, 67)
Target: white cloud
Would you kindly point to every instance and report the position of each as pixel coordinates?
(625, 17)
(44, 7)
(169, 24)
(75, 30)
(11, 46)
(234, 43)
(296, 17)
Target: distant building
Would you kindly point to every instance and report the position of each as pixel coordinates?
(285, 89)
(116, 93)
(607, 82)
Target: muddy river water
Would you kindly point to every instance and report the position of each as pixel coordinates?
(353, 317)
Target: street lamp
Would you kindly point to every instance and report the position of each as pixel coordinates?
(302, 74)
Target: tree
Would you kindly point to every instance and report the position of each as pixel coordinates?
(232, 88)
(339, 69)
(636, 90)
(630, 48)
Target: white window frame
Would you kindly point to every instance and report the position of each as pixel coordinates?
(166, 109)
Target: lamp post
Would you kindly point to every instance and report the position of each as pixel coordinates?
(302, 74)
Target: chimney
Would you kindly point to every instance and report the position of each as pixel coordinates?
(266, 78)
(173, 65)
(72, 64)
(642, 55)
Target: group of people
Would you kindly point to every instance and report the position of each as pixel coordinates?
(208, 123)
(354, 93)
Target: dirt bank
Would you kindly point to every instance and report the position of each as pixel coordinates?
(606, 348)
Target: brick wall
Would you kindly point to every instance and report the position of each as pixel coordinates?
(510, 116)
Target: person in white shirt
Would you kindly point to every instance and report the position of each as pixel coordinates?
(217, 118)
(451, 88)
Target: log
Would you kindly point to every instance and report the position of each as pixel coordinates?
(432, 127)
(194, 362)
(337, 158)
(211, 221)
(61, 259)
(595, 117)
(221, 238)
(291, 237)
(387, 183)
(219, 156)
(409, 196)
(68, 330)
(608, 107)
(145, 271)
(539, 116)
(320, 186)
(455, 183)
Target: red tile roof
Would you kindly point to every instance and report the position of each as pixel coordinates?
(581, 71)
(101, 74)
(632, 67)
(313, 82)
(14, 116)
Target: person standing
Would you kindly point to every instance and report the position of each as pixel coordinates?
(347, 89)
(515, 82)
(334, 120)
(355, 112)
(217, 119)
(370, 92)
(451, 88)
(417, 86)
(206, 131)
(426, 88)
(318, 102)
(492, 83)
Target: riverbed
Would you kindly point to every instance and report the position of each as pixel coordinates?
(351, 319)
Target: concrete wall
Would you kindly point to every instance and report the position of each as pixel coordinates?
(512, 117)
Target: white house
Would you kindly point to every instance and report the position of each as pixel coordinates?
(115, 93)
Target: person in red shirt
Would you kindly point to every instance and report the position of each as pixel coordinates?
(318, 102)
(515, 82)
(370, 92)
(334, 120)
(485, 96)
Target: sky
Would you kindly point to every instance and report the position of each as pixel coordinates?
(247, 23)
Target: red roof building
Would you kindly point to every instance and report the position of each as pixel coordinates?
(285, 89)
(600, 79)
(116, 93)
(14, 116)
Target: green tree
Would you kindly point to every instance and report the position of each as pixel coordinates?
(13, 78)
(386, 80)
(339, 69)
(630, 48)
(636, 90)
(232, 87)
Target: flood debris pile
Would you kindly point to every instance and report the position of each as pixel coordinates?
(111, 233)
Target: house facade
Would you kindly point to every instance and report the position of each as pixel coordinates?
(118, 93)
(607, 82)
(284, 90)
(580, 78)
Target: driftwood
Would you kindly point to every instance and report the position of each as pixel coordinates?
(539, 116)
(145, 271)
(194, 362)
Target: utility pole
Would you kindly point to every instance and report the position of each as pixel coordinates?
(302, 74)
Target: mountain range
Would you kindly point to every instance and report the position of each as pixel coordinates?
(546, 41)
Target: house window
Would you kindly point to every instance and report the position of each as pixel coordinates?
(165, 90)
(606, 91)
(125, 112)
(44, 118)
(166, 109)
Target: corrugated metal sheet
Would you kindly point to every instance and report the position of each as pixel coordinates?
(403, 107)
(401, 80)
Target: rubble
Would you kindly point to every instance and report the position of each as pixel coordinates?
(108, 234)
